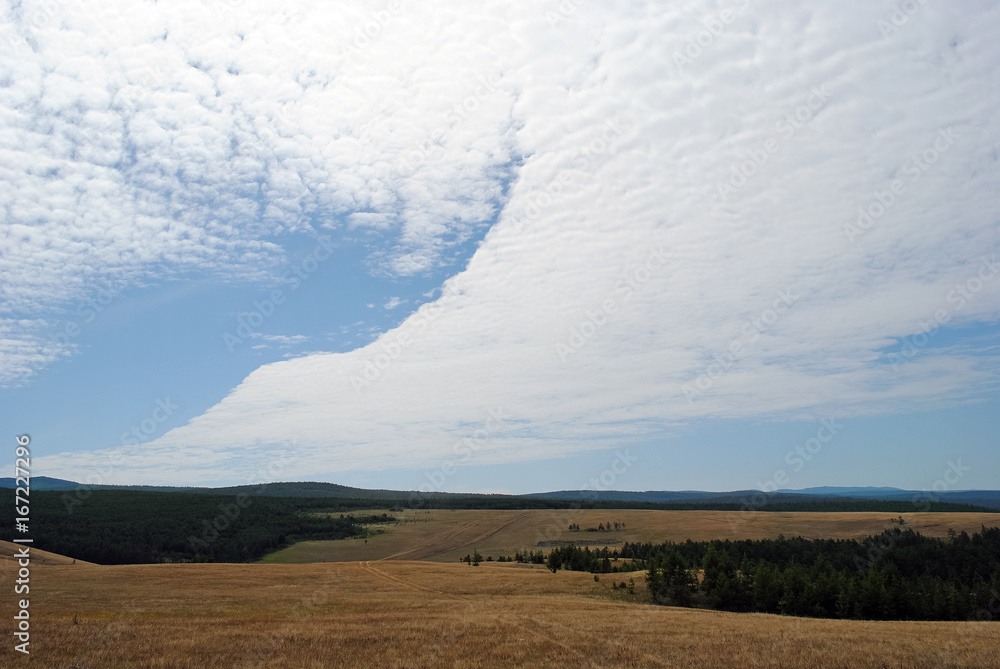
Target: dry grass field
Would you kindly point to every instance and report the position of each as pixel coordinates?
(446, 535)
(415, 615)
(8, 548)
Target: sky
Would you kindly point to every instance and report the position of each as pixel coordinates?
(511, 248)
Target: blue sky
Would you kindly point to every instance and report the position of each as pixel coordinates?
(395, 245)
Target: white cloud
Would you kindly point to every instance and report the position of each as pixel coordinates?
(621, 152)
(393, 302)
(283, 341)
(141, 141)
(25, 352)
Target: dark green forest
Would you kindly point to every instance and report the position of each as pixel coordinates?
(897, 575)
(128, 527)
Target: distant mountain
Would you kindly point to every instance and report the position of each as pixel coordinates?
(41, 483)
(837, 491)
(670, 496)
(49, 483)
(312, 489)
(983, 498)
(629, 496)
(987, 498)
(282, 489)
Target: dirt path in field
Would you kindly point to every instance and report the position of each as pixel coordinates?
(378, 573)
(547, 629)
(453, 539)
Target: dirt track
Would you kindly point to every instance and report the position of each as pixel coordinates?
(459, 537)
(441, 535)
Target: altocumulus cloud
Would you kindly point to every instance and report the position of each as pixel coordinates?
(259, 97)
(138, 143)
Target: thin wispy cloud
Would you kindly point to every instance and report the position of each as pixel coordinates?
(283, 341)
(393, 303)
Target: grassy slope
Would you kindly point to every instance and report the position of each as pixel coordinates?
(445, 535)
(419, 614)
(38, 556)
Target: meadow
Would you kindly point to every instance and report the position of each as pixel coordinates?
(403, 600)
(421, 615)
(445, 535)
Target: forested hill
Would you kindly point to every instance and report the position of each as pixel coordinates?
(126, 527)
(130, 526)
(814, 499)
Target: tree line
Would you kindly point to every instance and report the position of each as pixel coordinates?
(131, 527)
(601, 527)
(897, 575)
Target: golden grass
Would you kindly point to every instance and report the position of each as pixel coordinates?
(416, 615)
(38, 556)
(446, 536)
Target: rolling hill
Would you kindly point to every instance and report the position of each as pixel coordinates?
(313, 489)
